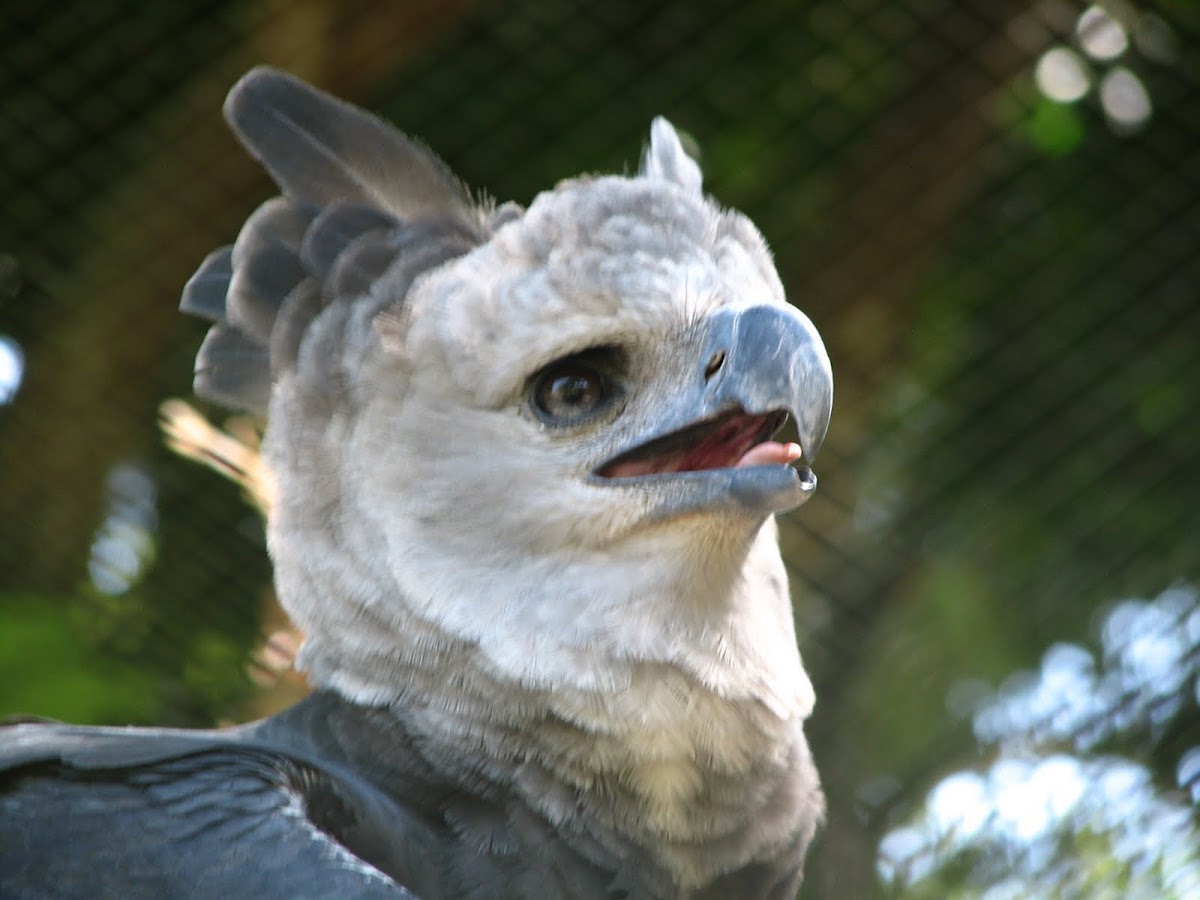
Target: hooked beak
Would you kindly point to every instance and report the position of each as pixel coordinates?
(756, 366)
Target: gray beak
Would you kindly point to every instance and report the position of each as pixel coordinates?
(771, 358)
(745, 372)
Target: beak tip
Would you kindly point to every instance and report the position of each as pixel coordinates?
(810, 442)
(812, 421)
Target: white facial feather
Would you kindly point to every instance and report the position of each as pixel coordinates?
(594, 261)
(489, 529)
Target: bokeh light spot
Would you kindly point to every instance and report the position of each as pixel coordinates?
(1124, 99)
(1061, 75)
(1100, 35)
(12, 369)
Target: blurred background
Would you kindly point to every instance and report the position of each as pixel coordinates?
(990, 208)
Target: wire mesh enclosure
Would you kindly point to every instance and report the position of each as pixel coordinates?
(990, 209)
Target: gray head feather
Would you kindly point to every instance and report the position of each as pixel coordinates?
(358, 196)
(665, 158)
(320, 150)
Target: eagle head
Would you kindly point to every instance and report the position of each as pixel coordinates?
(540, 444)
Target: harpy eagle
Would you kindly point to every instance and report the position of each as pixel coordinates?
(524, 486)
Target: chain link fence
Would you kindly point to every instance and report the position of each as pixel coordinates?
(991, 209)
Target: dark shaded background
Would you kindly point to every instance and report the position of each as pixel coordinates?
(991, 210)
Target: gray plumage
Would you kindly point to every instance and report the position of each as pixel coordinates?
(522, 508)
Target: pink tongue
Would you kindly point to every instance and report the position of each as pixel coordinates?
(770, 453)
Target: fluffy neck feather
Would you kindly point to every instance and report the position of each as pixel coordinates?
(682, 693)
(583, 622)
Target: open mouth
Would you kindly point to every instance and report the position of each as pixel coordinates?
(734, 440)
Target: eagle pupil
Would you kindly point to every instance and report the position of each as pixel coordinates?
(571, 390)
(569, 396)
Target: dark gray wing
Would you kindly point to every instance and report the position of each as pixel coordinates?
(120, 813)
(360, 202)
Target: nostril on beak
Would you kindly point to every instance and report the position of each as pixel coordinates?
(714, 364)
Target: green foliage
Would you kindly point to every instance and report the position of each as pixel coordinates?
(1055, 129)
(50, 666)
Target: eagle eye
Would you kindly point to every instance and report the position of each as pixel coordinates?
(573, 389)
